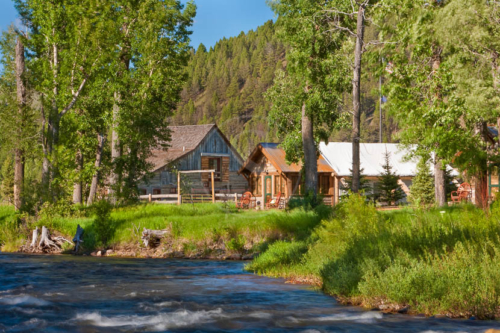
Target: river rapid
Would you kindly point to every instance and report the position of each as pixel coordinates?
(87, 294)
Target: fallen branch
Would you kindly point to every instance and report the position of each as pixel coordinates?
(151, 238)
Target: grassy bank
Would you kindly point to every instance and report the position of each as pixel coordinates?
(437, 261)
(192, 229)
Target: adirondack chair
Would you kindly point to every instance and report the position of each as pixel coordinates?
(245, 200)
(462, 193)
(274, 203)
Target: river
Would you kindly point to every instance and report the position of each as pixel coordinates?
(87, 294)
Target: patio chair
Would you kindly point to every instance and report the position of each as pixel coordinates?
(274, 203)
(245, 200)
(462, 193)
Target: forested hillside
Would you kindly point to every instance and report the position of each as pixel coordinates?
(227, 83)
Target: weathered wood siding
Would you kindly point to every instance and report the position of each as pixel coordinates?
(213, 143)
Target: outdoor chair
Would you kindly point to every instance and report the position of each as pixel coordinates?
(274, 203)
(463, 193)
(245, 200)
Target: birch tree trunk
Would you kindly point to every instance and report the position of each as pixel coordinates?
(19, 150)
(310, 158)
(356, 98)
(114, 180)
(95, 179)
(77, 187)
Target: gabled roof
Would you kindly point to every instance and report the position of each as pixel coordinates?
(183, 140)
(372, 155)
(276, 156)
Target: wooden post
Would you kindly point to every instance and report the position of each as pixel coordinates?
(236, 198)
(336, 193)
(150, 197)
(179, 198)
(213, 189)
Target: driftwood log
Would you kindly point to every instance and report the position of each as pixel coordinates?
(34, 239)
(78, 238)
(151, 238)
(47, 243)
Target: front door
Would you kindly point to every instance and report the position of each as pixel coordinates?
(268, 187)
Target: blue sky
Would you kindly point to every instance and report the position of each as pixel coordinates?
(215, 19)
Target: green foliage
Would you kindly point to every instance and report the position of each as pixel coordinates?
(103, 225)
(11, 236)
(226, 86)
(316, 74)
(388, 188)
(7, 185)
(236, 244)
(437, 261)
(365, 186)
(422, 187)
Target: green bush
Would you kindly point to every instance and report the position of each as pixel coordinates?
(103, 225)
(437, 261)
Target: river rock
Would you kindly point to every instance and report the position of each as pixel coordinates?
(98, 254)
(404, 310)
(235, 256)
(247, 257)
(108, 252)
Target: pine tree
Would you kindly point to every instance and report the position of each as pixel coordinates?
(7, 186)
(364, 184)
(422, 188)
(388, 187)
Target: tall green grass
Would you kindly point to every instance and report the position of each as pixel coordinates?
(436, 261)
(10, 235)
(192, 224)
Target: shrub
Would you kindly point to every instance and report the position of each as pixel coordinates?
(103, 225)
(236, 244)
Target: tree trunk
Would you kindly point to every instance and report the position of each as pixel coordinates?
(114, 179)
(19, 149)
(77, 187)
(495, 73)
(310, 158)
(356, 99)
(95, 179)
(440, 185)
(481, 176)
(439, 173)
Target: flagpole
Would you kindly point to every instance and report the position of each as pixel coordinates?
(380, 107)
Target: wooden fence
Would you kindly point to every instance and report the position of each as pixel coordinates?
(190, 198)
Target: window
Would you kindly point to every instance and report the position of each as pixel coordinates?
(157, 191)
(256, 185)
(173, 190)
(276, 185)
(143, 191)
(214, 163)
(301, 187)
(324, 184)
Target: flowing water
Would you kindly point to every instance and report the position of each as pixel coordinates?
(85, 294)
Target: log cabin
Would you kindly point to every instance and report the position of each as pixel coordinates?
(269, 173)
(195, 147)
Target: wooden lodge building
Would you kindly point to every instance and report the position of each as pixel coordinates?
(269, 173)
(195, 147)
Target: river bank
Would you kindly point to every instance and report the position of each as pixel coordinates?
(202, 231)
(433, 262)
(440, 262)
